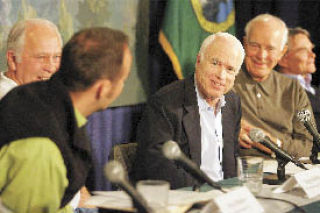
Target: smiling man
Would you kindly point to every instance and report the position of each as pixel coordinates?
(299, 63)
(199, 113)
(33, 53)
(270, 100)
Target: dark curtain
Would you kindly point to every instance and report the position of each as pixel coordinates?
(118, 125)
(105, 129)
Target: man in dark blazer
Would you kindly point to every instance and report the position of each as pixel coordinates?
(299, 63)
(178, 112)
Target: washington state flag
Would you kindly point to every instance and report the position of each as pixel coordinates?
(187, 23)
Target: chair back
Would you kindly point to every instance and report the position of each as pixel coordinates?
(126, 155)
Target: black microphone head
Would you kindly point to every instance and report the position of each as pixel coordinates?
(256, 135)
(304, 115)
(171, 150)
(114, 172)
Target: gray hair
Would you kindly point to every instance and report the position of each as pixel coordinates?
(265, 18)
(16, 37)
(210, 39)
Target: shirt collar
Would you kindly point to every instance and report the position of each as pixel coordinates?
(81, 120)
(267, 85)
(297, 77)
(202, 103)
(304, 82)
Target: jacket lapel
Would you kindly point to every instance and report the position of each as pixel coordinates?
(191, 121)
(226, 123)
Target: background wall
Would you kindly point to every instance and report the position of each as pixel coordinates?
(73, 15)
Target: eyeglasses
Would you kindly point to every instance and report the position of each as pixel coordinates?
(46, 59)
(255, 47)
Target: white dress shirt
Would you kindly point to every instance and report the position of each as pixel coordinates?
(304, 82)
(6, 84)
(211, 137)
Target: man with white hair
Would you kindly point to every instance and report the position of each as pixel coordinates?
(269, 100)
(199, 113)
(33, 53)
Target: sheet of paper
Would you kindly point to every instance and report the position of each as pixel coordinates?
(308, 180)
(117, 200)
(240, 200)
(179, 201)
(271, 166)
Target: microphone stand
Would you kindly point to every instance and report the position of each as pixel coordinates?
(281, 170)
(314, 152)
(196, 187)
(316, 143)
(138, 201)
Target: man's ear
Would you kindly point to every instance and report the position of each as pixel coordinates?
(102, 88)
(283, 57)
(11, 60)
(283, 62)
(198, 58)
(245, 40)
(283, 51)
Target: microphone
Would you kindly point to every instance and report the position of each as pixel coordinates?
(172, 151)
(305, 117)
(259, 136)
(116, 174)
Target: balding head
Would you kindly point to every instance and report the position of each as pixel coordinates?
(17, 34)
(265, 44)
(228, 40)
(33, 50)
(267, 20)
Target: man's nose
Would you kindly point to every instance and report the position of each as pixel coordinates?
(51, 67)
(312, 54)
(262, 53)
(221, 72)
(51, 64)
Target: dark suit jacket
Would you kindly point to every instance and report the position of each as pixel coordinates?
(173, 114)
(315, 104)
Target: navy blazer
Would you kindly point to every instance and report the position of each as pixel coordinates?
(315, 104)
(173, 114)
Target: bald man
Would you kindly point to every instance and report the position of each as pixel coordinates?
(33, 53)
(269, 100)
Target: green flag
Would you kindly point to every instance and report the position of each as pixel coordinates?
(187, 23)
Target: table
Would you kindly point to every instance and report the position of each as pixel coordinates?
(270, 206)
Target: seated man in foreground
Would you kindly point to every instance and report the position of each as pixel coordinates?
(45, 155)
(199, 113)
(269, 100)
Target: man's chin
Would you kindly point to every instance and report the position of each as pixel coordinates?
(311, 71)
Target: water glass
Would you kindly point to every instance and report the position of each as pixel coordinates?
(250, 172)
(155, 192)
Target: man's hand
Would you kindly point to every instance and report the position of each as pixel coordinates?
(246, 142)
(84, 196)
(244, 139)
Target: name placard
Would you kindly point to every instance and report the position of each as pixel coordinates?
(240, 200)
(308, 180)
